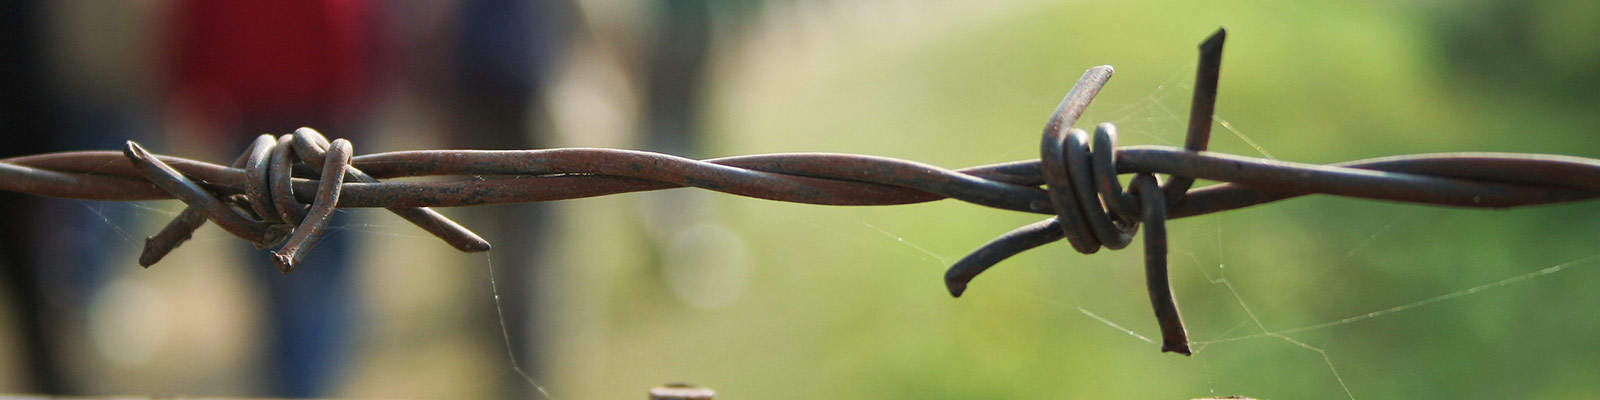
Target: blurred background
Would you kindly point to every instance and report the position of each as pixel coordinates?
(606, 297)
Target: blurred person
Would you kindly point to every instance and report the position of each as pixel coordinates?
(681, 226)
(502, 55)
(674, 76)
(74, 80)
(237, 69)
(28, 120)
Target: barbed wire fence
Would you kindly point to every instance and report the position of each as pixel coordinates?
(280, 193)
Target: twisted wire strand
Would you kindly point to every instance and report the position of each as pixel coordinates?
(1474, 180)
(281, 190)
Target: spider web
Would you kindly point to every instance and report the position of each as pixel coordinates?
(123, 225)
(505, 332)
(1219, 279)
(1148, 119)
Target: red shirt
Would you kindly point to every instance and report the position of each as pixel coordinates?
(250, 59)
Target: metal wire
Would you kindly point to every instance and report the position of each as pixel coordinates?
(262, 197)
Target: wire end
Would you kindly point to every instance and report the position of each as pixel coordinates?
(956, 286)
(1180, 348)
(1214, 42)
(135, 151)
(285, 262)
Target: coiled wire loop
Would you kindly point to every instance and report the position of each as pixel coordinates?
(1092, 210)
(267, 213)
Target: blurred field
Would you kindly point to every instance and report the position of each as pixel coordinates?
(847, 302)
(766, 300)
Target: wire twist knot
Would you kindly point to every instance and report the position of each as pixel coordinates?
(1092, 210)
(268, 213)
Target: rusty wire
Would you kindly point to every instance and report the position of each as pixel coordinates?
(262, 197)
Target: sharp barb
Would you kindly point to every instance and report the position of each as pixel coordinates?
(173, 182)
(997, 250)
(311, 146)
(1174, 337)
(173, 234)
(183, 226)
(1201, 108)
(303, 236)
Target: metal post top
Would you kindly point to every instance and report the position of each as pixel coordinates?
(681, 391)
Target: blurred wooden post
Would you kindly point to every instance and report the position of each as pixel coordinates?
(681, 391)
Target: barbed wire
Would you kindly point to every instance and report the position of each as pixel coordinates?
(282, 190)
